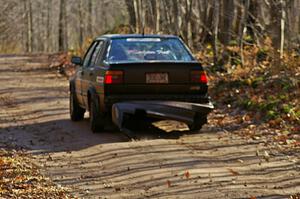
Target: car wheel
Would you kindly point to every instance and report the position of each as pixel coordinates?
(96, 118)
(76, 112)
(199, 121)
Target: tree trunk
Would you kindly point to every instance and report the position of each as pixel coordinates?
(228, 8)
(90, 20)
(80, 11)
(131, 13)
(205, 17)
(151, 15)
(282, 27)
(39, 34)
(167, 18)
(137, 15)
(275, 30)
(243, 29)
(143, 8)
(62, 44)
(157, 26)
(29, 26)
(215, 31)
(48, 39)
(176, 17)
(189, 10)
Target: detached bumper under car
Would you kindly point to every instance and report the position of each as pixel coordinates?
(174, 110)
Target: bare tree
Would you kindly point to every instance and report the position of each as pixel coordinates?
(215, 30)
(131, 13)
(137, 12)
(44, 27)
(48, 29)
(282, 26)
(62, 37)
(158, 18)
(28, 11)
(90, 21)
(276, 28)
(243, 28)
(80, 23)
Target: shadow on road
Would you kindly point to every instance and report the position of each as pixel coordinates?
(64, 135)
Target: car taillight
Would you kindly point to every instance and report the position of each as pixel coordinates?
(113, 77)
(198, 76)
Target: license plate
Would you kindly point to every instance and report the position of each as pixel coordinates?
(157, 78)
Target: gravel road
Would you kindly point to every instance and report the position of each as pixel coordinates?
(212, 163)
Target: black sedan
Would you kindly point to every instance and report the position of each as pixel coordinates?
(152, 75)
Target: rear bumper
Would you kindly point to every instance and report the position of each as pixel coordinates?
(180, 111)
(112, 99)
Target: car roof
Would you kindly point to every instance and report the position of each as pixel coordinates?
(120, 36)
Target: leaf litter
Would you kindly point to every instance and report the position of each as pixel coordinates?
(20, 178)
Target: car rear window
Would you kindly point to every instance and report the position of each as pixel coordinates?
(147, 49)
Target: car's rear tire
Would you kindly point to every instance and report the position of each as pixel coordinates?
(97, 120)
(199, 121)
(76, 112)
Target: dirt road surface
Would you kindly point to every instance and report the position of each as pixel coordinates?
(213, 163)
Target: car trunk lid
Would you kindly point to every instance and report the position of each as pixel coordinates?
(158, 78)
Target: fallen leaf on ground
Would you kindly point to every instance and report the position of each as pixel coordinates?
(266, 156)
(187, 174)
(233, 172)
(168, 183)
(49, 158)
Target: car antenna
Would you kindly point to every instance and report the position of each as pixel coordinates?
(180, 36)
(143, 33)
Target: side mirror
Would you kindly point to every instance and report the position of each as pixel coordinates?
(76, 60)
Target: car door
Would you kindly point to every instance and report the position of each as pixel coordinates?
(81, 82)
(89, 75)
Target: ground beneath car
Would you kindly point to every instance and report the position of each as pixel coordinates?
(213, 163)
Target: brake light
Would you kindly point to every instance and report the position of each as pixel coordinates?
(113, 77)
(198, 76)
